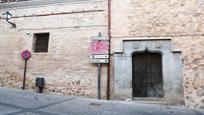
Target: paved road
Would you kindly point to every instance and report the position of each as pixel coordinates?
(18, 102)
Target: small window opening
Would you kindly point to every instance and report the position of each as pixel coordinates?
(41, 42)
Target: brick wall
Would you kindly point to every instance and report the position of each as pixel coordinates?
(6, 1)
(65, 66)
(181, 21)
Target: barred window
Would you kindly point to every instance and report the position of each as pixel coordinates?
(41, 41)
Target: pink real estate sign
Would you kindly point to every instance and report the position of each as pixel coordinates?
(99, 47)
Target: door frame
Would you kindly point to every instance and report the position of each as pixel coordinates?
(154, 98)
(171, 69)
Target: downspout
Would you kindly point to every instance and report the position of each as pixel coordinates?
(109, 64)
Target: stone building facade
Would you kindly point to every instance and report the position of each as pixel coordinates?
(170, 31)
(65, 66)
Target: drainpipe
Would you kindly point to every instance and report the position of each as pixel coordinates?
(109, 64)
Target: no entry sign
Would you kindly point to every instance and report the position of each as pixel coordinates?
(26, 55)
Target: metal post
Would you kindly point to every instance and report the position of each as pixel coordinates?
(24, 75)
(13, 25)
(99, 34)
(99, 81)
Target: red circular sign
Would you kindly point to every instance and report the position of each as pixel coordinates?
(26, 55)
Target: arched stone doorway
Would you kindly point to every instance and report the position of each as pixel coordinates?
(171, 71)
(147, 78)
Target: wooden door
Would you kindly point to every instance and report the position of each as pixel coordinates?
(147, 75)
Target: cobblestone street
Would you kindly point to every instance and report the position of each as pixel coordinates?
(18, 102)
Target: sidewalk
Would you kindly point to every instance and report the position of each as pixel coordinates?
(18, 102)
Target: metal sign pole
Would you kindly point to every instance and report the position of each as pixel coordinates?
(24, 75)
(99, 81)
(99, 54)
(25, 55)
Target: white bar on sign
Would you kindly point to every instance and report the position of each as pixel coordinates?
(99, 38)
(98, 60)
(100, 56)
